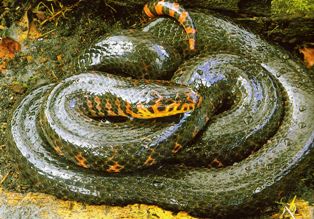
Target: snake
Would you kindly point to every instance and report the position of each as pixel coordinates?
(230, 130)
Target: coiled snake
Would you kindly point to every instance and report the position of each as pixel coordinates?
(236, 94)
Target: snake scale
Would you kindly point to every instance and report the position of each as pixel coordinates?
(245, 106)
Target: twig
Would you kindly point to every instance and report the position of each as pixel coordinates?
(291, 214)
(4, 178)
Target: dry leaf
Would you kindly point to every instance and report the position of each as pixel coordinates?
(8, 48)
(33, 32)
(24, 29)
(308, 54)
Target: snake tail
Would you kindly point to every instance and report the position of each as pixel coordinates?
(174, 10)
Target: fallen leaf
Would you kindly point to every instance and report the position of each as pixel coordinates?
(8, 48)
(308, 54)
(33, 32)
(11, 45)
(24, 29)
(21, 29)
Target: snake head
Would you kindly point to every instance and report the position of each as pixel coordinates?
(168, 103)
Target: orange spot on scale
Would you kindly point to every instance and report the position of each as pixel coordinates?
(159, 7)
(183, 17)
(89, 103)
(150, 161)
(190, 30)
(171, 13)
(115, 168)
(58, 150)
(192, 44)
(143, 112)
(148, 12)
(109, 109)
(173, 8)
(111, 113)
(188, 107)
(81, 161)
(90, 107)
(98, 103)
(156, 106)
(176, 148)
(128, 110)
(120, 111)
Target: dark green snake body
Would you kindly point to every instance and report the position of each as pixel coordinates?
(270, 102)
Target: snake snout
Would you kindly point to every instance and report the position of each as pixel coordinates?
(183, 102)
(194, 98)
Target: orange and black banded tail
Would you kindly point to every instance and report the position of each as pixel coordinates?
(173, 9)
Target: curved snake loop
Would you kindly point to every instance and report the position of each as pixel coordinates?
(263, 101)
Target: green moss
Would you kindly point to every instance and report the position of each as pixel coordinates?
(296, 8)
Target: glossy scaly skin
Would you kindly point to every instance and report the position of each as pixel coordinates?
(232, 64)
(174, 10)
(123, 52)
(112, 148)
(140, 99)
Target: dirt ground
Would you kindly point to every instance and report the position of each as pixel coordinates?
(50, 41)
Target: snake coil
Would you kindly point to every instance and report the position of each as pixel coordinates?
(262, 101)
